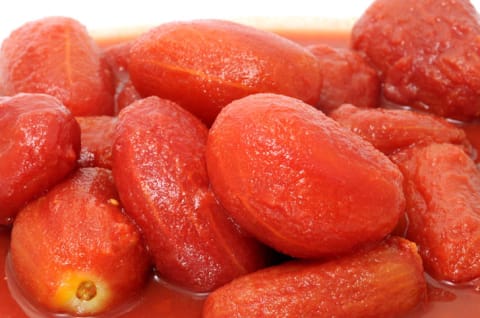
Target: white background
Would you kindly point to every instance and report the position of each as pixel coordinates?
(102, 15)
(105, 14)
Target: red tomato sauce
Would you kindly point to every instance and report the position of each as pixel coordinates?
(159, 300)
(8, 306)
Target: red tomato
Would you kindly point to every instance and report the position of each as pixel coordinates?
(159, 169)
(386, 281)
(347, 78)
(297, 180)
(205, 64)
(39, 146)
(442, 187)
(391, 129)
(57, 56)
(74, 251)
(426, 52)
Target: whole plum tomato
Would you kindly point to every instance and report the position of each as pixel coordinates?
(347, 78)
(427, 53)
(56, 56)
(384, 281)
(297, 180)
(159, 169)
(205, 64)
(39, 146)
(74, 251)
(391, 129)
(442, 188)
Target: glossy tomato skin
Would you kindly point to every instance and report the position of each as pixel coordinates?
(392, 129)
(205, 64)
(117, 56)
(385, 281)
(442, 189)
(159, 169)
(39, 146)
(347, 78)
(78, 232)
(126, 94)
(97, 135)
(426, 53)
(56, 56)
(297, 180)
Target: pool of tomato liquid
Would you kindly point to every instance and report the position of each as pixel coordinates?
(160, 301)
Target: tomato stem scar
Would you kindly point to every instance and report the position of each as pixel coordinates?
(113, 201)
(86, 290)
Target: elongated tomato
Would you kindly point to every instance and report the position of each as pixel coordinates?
(56, 56)
(39, 146)
(74, 251)
(159, 169)
(386, 281)
(391, 129)
(442, 187)
(205, 64)
(297, 180)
